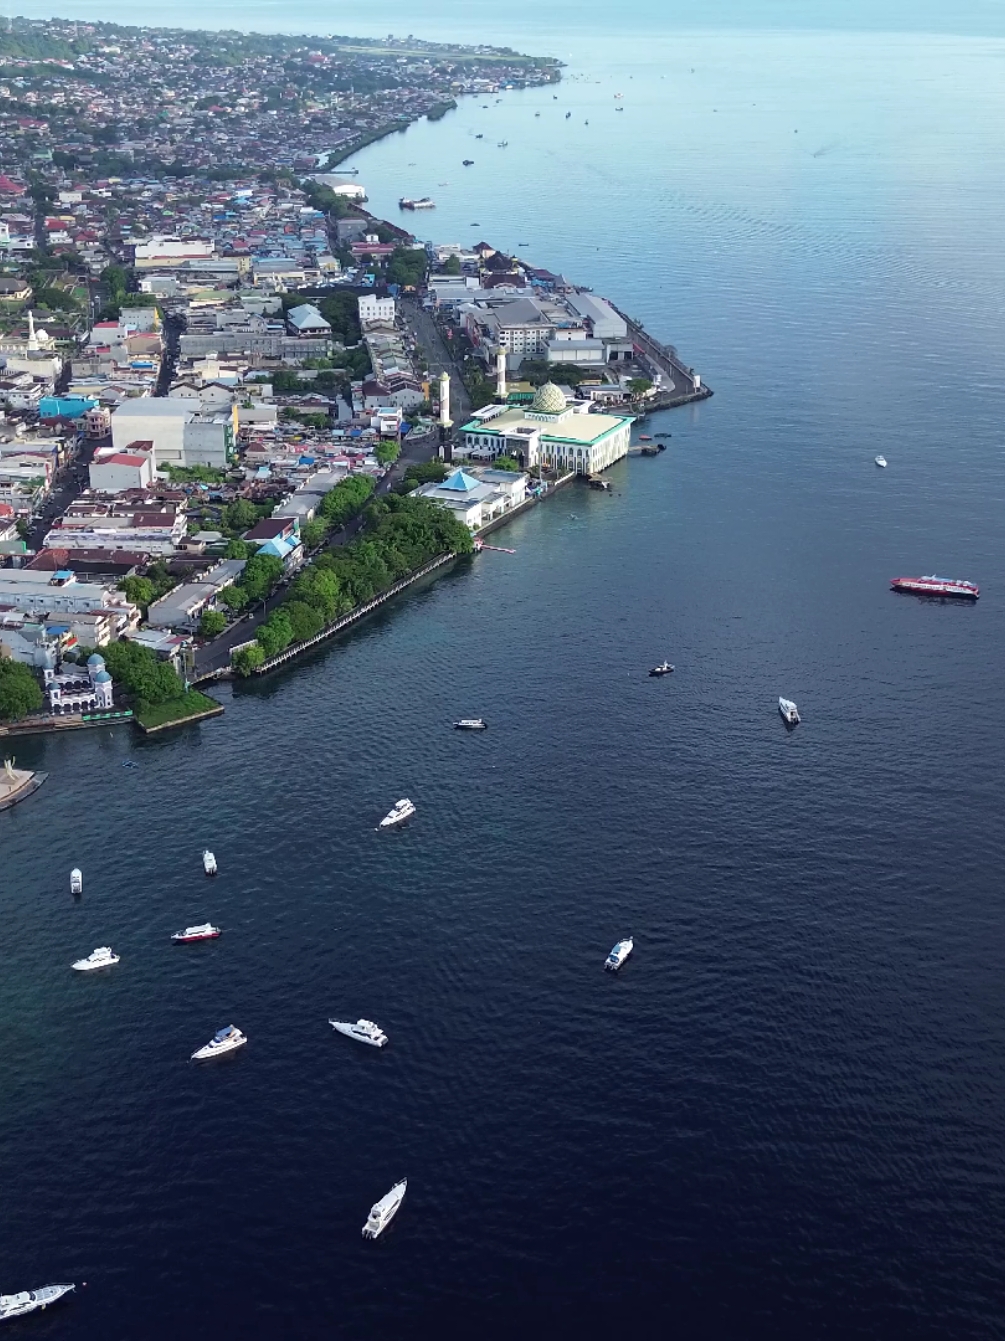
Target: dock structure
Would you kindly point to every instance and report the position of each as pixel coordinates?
(17, 784)
(685, 384)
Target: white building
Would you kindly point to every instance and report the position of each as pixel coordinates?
(372, 308)
(477, 499)
(342, 186)
(182, 432)
(113, 472)
(306, 322)
(79, 690)
(551, 432)
(160, 250)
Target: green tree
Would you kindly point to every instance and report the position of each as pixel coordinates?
(141, 674)
(261, 573)
(19, 691)
(236, 549)
(313, 533)
(506, 463)
(305, 621)
(452, 265)
(234, 598)
(387, 451)
(277, 634)
(212, 623)
(347, 498)
(638, 386)
(240, 515)
(246, 660)
(139, 590)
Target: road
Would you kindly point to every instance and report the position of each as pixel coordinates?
(440, 358)
(69, 483)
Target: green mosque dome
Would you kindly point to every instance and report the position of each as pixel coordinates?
(548, 400)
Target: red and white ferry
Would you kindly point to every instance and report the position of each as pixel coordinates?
(936, 586)
(204, 932)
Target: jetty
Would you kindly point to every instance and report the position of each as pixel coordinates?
(685, 385)
(17, 784)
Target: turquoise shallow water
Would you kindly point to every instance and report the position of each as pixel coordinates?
(784, 1118)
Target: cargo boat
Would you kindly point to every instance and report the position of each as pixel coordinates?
(936, 586)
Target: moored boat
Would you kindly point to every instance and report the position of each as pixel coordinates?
(789, 711)
(398, 813)
(16, 1305)
(471, 724)
(619, 954)
(76, 881)
(209, 862)
(102, 957)
(383, 1212)
(423, 203)
(205, 931)
(936, 586)
(663, 669)
(363, 1031)
(224, 1040)
(881, 461)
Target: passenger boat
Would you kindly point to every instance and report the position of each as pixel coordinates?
(76, 881)
(471, 724)
(789, 711)
(663, 669)
(204, 932)
(398, 813)
(17, 1305)
(619, 954)
(209, 863)
(383, 1212)
(423, 203)
(102, 957)
(881, 461)
(363, 1031)
(224, 1040)
(936, 586)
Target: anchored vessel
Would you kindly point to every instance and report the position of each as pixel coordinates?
(471, 724)
(789, 711)
(363, 1031)
(880, 460)
(663, 669)
(224, 1040)
(398, 813)
(936, 586)
(619, 954)
(102, 957)
(209, 862)
(204, 932)
(423, 203)
(15, 1305)
(383, 1212)
(76, 881)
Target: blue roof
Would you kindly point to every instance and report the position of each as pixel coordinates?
(95, 659)
(461, 482)
(102, 677)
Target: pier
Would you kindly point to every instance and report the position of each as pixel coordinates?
(685, 384)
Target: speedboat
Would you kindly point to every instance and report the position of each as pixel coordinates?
(398, 813)
(224, 1040)
(467, 162)
(209, 862)
(102, 957)
(16, 1305)
(76, 881)
(619, 954)
(363, 1031)
(937, 586)
(204, 932)
(383, 1212)
(880, 460)
(789, 711)
(664, 669)
(471, 724)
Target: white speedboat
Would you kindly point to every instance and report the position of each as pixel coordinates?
(471, 724)
(224, 1040)
(789, 711)
(102, 957)
(16, 1305)
(880, 460)
(204, 932)
(383, 1212)
(76, 881)
(619, 954)
(209, 862)
(363, 1031)
(398, 814)
(664, 668)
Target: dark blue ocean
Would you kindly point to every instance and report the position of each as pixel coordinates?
(786, 1117)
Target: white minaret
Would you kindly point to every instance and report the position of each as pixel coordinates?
(501, 374)
(444, 399)
(32, 338)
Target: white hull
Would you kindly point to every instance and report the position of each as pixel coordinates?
(789, 711)
(76, 882)
(374, 1037)
(384, 1211)
(17, 1305)
(209, 863)
(218, 1047)
(403, 811)
(207, 932)
(881, 461)
(471, 724)
(619, 954)
(91, 963)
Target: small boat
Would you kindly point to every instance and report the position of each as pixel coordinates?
(423, 203)
(619, 954)
(644, 437)
(663, 669)
(503, 144)
(16, 1305)
(479, 136)
(936, 586)
(398, 813)
(102, 957)
(568, 115)
(363, 1031)
(467, 162)
(881, 461)
(662, 435)
(204, 932)
(224, 1040)
(76, 881)
(789, 711)
(383, 1212)
(471, 724)
(209, 862)
(595, 482)
(650, 450)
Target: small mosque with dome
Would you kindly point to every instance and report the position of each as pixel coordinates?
(84, 689)
(552, 431)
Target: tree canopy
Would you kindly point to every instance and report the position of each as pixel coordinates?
(141, 674)
(19, 691)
